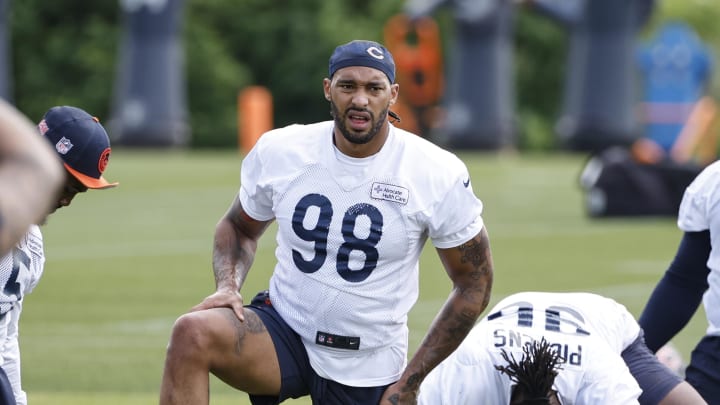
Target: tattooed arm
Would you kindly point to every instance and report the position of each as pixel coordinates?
(470, 268)
(236, 236)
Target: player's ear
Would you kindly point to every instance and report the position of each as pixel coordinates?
(394, 92)
(326, 88)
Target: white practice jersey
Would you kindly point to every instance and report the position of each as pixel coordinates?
(700, 211)
(350, 233)
(20, 271)
(588, 331)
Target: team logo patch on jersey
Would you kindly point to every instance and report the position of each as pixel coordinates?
(63, 146)
(388, 192)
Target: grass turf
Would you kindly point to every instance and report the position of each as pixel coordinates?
(122, 264)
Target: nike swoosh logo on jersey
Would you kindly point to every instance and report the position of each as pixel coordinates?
(466, 182)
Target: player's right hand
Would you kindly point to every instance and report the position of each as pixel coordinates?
(223, 299)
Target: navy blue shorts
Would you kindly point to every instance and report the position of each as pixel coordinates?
(298, 377)
(703, 372)
(655, 379)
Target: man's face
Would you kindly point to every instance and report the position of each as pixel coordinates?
(360, 98)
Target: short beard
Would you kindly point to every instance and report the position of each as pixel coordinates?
(352, 137)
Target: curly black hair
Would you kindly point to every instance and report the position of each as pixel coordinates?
(534, 374)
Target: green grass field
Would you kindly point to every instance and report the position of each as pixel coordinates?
(122, 264)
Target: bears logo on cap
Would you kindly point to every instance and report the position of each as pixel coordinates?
(363, 53)
(104, 160)
(81, 142)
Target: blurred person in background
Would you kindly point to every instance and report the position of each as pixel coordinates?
(693, 276)
(30, 176)
(602, 357)
(83, 146)
(355, 200)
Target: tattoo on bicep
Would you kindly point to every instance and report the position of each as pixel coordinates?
(471, 253)
(475, 252)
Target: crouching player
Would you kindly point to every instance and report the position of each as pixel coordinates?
(541, 348)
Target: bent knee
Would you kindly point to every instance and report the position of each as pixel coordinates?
(200, 332)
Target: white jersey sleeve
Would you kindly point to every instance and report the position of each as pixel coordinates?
(700, 211)
(699, 206)
(21, 269)
(350, 233)
(257, 175)
(448, 217)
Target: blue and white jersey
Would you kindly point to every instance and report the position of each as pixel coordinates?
(20, 272)
(700, 211)
(350, 233)
(588, 331)
(21, 269)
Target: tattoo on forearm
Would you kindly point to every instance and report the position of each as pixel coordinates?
(223, 276)
(413, 383)
(461, 325)
(394, 399)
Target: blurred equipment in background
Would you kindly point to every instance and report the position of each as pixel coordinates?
(677, 114)
(150, 101)
(600, 88)
(617, 185)
(5, 54)
(480, 97)
(417, 51)
(681, 129)
(255, 115)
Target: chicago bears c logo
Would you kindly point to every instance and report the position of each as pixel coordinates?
(104, 159)
(375, 53)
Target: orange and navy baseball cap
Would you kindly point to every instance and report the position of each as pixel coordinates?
(81, 142)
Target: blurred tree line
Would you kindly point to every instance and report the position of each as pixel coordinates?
(65, 52)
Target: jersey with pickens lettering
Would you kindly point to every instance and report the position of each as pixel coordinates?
(588, 331)
(20, 271)
(700, 211)
(350, 233)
